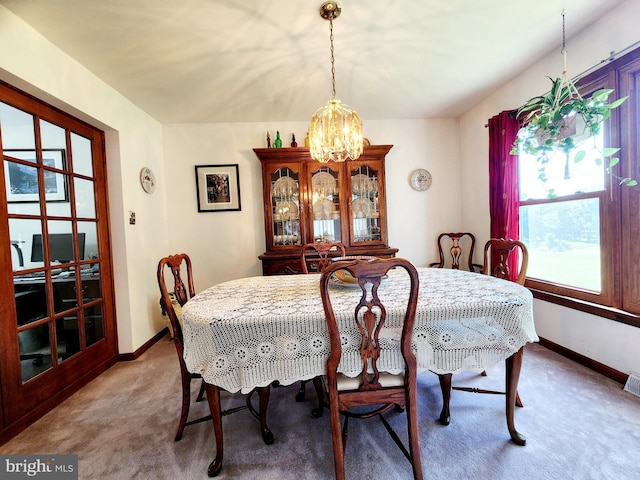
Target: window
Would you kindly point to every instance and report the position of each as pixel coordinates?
(580, 226)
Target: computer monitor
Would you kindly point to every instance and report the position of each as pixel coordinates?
(60, 247)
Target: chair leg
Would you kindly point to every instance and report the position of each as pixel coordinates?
(414, 439)
(300, 396)
(319, 387)
(201, 392)
(337, 440)
(186, 401)
(445, 386)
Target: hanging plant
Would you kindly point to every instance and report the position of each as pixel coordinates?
(562, 119)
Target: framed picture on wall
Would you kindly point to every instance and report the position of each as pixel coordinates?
(218, 188)
(21, 179)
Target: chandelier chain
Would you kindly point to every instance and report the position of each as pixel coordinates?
(333, 67)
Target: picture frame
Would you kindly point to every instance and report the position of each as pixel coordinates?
(218, 188)
(21, 181)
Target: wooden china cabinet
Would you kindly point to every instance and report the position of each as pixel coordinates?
(307, 201)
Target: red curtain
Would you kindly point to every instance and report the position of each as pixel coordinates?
(503, 178)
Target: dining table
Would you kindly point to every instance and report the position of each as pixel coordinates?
(248, 333)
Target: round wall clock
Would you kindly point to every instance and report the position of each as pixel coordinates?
(420, 179)
(147, 180)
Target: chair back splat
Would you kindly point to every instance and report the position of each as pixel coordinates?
(506, 259)
(456, 251)
(364, 318)
(314, 257)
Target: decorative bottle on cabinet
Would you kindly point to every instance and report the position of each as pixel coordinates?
(268, 140)
(278, 141)
(293, 140)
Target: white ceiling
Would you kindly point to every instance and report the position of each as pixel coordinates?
(254, 61)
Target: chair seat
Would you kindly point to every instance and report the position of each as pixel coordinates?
(387, 380)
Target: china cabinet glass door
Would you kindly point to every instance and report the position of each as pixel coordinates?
(325, 201)
(365, 205)
(285, 207)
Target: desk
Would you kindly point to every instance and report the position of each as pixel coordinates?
(247, 333)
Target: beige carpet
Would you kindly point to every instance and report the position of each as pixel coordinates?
(578, 424)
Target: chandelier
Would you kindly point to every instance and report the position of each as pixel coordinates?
(335, 130)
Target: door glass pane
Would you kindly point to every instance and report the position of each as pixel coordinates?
(93, 330)
(35, 351)
(61, 244)
(57, 185)
(65, 295)
(326, 206)
(52, 136)
(21, 231)
(82, 160)
(563, 239)
(85, 201)
(285, 202)
(364, 204)
(17, 128)
(30, 297)
(67, 336)
(89, 231)
(21, 188)
(91, 283)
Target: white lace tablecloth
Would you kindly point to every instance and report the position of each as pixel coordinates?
(249, 332)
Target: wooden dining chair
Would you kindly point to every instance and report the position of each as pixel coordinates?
(172, 298)
(376, 391)
(314, 257)
(171, 301)
(456, 251)
(506, 259)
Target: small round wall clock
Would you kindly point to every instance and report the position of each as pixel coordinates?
(420, 179)
(147, 180)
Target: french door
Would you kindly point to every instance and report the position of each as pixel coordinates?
(57, 322)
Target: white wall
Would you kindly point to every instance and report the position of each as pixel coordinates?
(611, 343)
(32, 63)
(226, 245)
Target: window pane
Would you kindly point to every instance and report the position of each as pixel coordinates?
(564, 175)
(563, 239)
